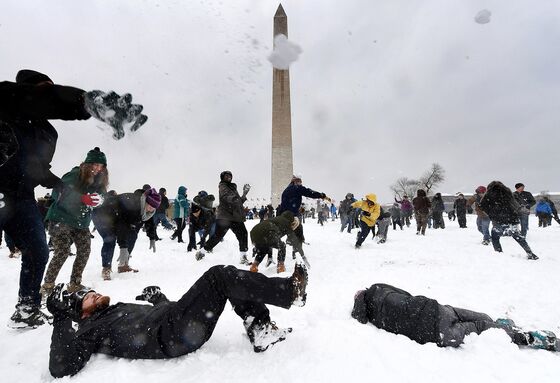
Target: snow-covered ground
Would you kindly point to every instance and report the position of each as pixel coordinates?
(327, 345)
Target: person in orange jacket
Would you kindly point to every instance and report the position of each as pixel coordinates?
(370, 213)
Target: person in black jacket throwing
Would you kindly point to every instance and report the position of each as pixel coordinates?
(230, 215)
(424, 320)
(503, 210)
(27, 146)
(168, 329)
(291, 201)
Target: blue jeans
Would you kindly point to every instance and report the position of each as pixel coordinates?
(161, 217)
(21, 220)
(524, 218)
(509, 231)
(483, 225)
(109, 242)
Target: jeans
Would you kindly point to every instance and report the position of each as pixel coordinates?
(363, 233)
(109, 242)
(22, 221)
(524, 218)
(161, 217)
(483, 225)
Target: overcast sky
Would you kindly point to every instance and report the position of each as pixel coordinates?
(381, 90)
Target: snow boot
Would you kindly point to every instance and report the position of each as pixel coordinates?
(542, 339)
(254, 267)
(200, 254)
(106, 273)
(46, 290)
(126, 269)
(299, 282)
(485, 242)
(264, 334)
(532, 257)
(27, 316)
(280, 268)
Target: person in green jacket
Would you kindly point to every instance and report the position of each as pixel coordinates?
(69, 217)
(268, 235)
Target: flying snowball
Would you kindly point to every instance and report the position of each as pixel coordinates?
(483, 17)
(285, 53)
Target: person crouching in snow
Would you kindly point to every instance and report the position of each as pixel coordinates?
(370, 213)
(69, 217)
(124, 215)
(424, 320)
(168, 329)
(268, 234)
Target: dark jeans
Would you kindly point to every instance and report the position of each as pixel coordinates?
(456, 323)
(181, 224)
(193, 319)
(524, 220)
(21, 220)
(109, 241)
(222, 227)
(509, 231)
(397, 221)
(363, 233)
(462, 218)
(438, 220)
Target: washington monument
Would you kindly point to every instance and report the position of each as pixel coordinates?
(282, 162)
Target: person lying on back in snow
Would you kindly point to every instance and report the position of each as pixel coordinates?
(268, 234)
(167, 329)
(424, 320)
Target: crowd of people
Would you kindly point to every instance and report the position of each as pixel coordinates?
(81, 197)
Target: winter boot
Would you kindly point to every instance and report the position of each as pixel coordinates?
(485, 242)
(27, 316)
(254, 267)
(106, 273)
(243, 258)
(532, 256)
(541, 339)
(264, 334)
(200, 254)
(299, 282)
(46, 290)
(126, 269)
(280, 268)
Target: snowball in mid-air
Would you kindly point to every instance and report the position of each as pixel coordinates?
(483, 17)
(285, 52)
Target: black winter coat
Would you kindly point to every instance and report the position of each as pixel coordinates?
(396, 311)
(291, 198)
(25, 109)
(128, 330)
(460, 205)
(123, 215)
(500, 206)
(525, 200)
(231, 203)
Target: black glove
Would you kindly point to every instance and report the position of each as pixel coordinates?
(366, 213)
(323, 195)
(57, 302)
(114, 110)
(152, 294)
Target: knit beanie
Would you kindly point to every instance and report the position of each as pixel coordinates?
(96, 156)
(28, 76)
(518, 185)
(152, 198)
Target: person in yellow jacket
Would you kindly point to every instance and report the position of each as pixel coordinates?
(370, 213)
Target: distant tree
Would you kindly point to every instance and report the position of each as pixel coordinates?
(432, 178)
(404, 186)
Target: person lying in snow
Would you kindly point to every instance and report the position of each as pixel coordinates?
(425, 320)
(167, 329)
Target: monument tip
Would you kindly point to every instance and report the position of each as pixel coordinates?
(280, 11)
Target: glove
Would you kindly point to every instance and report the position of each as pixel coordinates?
(152, 245)
(57, 302)
(152, 294)
(366, 213)
(114, 110)
(2, 203)
(246, 189)
(92, 200)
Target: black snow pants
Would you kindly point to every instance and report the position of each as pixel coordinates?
(222, 227)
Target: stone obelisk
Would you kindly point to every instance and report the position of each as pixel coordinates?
(282, 162)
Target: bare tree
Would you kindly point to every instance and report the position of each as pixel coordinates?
(432, 178)
(404, 186)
